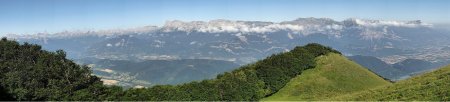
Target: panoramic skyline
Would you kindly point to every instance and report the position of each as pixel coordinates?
(225, 50)
(28, 17)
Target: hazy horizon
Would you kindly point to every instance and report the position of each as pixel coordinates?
(28, 17)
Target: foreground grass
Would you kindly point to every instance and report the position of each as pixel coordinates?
(333, 76)
(432, 86)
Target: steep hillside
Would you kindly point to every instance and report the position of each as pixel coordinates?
(250, 82)
(432, 86)
(334, 75)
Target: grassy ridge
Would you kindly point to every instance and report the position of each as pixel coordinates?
(432, 86)
(333, 76)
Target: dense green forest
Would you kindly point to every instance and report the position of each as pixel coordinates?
(29, 73)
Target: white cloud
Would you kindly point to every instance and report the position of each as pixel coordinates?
(193, 42)
(229, 26)
(380, 23)
(290, 36)
(241, 37)
(369, 34)
(225, 26)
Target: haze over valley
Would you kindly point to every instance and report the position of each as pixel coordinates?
(224, 50)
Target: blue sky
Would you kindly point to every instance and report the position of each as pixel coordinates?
(32, 16)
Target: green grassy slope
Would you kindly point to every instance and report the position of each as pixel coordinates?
(333, 76)
(432, 86)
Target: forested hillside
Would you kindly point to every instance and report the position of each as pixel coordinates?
(29, 73)
(250, 82)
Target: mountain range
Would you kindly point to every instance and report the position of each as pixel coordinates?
(396, 71)
(244, 42)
